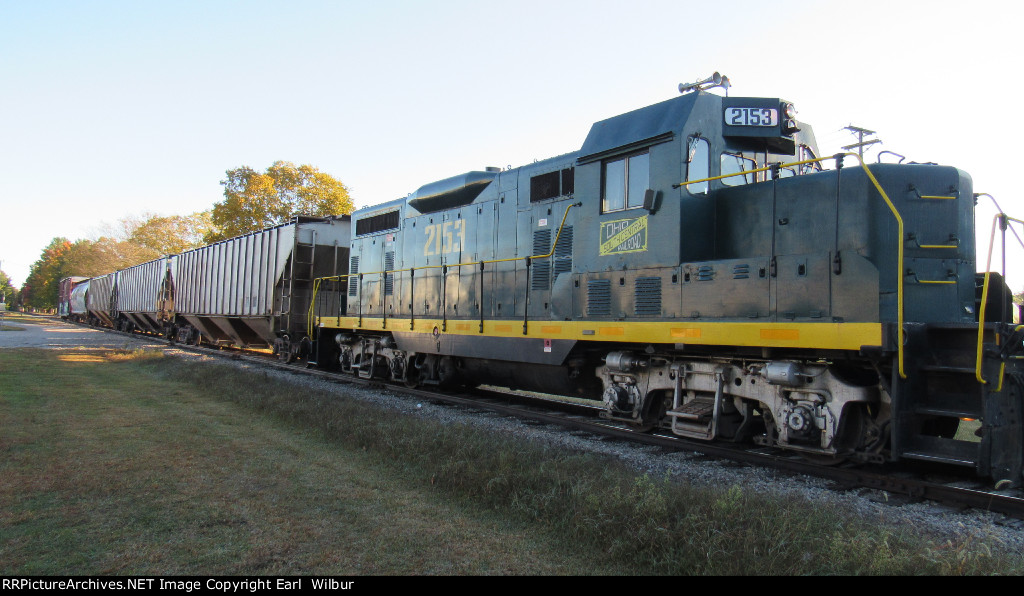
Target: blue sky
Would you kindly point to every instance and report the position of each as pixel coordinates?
(115, 108)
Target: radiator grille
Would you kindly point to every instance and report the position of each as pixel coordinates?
(648, 296)
(599, 297)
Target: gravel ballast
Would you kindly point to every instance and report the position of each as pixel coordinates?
(935, 520)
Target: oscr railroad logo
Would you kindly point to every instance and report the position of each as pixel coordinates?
(623, 236)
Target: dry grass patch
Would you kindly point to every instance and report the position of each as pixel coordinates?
(142, 464)
(108, 468)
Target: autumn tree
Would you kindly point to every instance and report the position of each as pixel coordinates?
(255, 200)
(8, 294)
(90, 258)
(133, 240)
(41, 286)
(169, 235)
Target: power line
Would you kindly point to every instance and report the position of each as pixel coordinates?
(861, 143)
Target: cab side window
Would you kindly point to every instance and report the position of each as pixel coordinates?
(625, 180)
(698, 166)
(734, 163)
(805, 154)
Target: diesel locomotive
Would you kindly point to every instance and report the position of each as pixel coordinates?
(699, 268)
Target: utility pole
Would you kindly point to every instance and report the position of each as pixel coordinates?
(861, 143)
(3, 299)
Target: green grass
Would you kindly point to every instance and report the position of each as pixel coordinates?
(107, 468)
(966, 431)
(133, 463)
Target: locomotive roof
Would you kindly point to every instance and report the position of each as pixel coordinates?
(638, 126)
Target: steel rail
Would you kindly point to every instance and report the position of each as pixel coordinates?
(580, 417)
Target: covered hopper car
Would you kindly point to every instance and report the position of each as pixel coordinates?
(253, 290)
(256, 289)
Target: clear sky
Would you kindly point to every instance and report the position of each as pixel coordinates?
(110, 108)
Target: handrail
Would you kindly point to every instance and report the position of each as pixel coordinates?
(316, 282)
(899, 268)
(934, 281)
(935, 197)
(895, 212)
(764, 169)
(952, 238)
(1002, 219)
(838, 157)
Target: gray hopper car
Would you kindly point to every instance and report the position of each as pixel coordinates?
(99, 300)
(141, 297)
(255, 290)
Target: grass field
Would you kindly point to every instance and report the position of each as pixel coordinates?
(115, 462)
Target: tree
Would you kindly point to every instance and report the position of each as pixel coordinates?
(41, 288)
(254, 200)
(8, 294)
(170, 235)
(135, 240)
(90, 258)
(132, 241)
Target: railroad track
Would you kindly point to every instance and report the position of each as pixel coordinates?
(958, 491)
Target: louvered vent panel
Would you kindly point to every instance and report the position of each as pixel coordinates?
(541, 275)
(541, 268)
(353, 280)
(541, 242)
(648, 296)
(599, 297)
(563, 252)
(389, 278)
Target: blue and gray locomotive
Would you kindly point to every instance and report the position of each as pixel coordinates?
(698, 268)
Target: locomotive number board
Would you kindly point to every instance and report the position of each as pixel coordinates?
(741, 116)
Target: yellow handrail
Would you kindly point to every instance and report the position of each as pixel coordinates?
(984, 301)
(892, 208)
(316, 282)
(764, 169)
(871, 177)
(899, 261)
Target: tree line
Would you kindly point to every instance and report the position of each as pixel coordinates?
(252, 201)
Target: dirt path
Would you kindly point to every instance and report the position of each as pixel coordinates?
(24, 331)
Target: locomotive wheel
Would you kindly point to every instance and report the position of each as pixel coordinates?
(851, 436)
(412, 377)
(824, 460)
(284, 350)
(654, 412)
